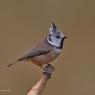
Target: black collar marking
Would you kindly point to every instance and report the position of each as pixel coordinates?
(61, 45)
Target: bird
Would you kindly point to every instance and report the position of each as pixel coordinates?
(46, 50)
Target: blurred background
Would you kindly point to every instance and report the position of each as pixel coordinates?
(23, 23)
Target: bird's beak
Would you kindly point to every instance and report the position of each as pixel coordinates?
(65, 37)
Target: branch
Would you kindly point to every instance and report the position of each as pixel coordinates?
(38, 88)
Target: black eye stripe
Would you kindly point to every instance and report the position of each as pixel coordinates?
(50, 35)
(58, 36)
(55, 36)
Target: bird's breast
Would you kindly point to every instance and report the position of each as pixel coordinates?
(45, 59)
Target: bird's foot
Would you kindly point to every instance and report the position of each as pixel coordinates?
(48, 70)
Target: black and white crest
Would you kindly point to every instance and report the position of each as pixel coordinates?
(55, 37)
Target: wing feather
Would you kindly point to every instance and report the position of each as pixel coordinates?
(40, 49)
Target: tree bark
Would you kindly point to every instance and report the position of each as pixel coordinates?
(38, 88)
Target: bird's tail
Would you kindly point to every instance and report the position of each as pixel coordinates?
(9, 65)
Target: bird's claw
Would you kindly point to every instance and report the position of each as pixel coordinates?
(48, 70)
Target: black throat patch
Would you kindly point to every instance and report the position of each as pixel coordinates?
(61, 44)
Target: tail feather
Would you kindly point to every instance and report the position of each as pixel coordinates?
(9, 65)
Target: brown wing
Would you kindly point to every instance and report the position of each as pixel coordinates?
(40, 49)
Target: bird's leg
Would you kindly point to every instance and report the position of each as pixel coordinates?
(42, 67)
(53, 68)
(48, 70)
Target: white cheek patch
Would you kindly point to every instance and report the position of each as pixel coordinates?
(54, 41)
